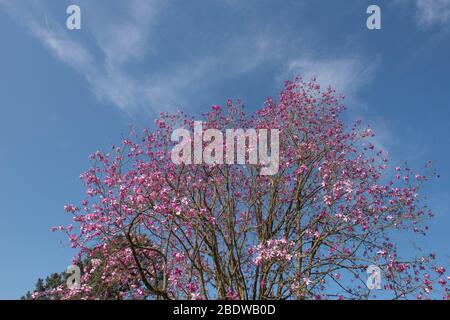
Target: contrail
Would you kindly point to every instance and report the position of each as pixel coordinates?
(46, 22)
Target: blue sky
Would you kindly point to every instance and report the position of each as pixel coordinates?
(64, 94)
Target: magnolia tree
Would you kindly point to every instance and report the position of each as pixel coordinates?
(154, 228)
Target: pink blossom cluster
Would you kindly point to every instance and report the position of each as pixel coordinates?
(274, 250)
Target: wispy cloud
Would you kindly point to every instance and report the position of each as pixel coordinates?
(123, 35)
(433, 12)
(123, 30)
(34, 17)
(346, 75)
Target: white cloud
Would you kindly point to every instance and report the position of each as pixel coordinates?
(433, 12)
(68, 51)
(346, 75)
(123, 33)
